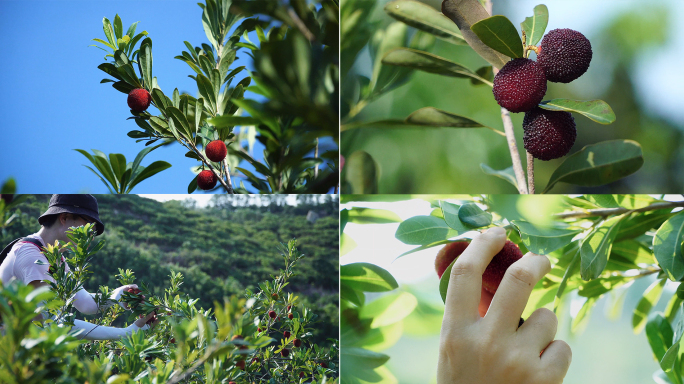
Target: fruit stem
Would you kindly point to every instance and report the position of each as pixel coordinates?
(530, 173)
(618, 211)
(229, 189)
(230, 184)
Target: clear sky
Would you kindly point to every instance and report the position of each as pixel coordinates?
(52, 101)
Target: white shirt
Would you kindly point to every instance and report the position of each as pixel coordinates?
(20, 264)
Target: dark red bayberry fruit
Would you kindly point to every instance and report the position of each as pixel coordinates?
(286, 334)
(496, 269)
(139, 100)
(548, 134)
(290, 316)
(520, 85)
(448, 254)
(301, 374)
(259, 330)
(240, 364)
(206, 180)
(297, 343)
(289, 307)
(216, 150)
(172, 340)
(285, 352)
(275, 296)
(324, 365)
(564, 55)
(272, 314)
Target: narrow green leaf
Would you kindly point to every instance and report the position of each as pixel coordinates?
(444, 281)
(420, 230)
(427, 117)
(583, 315)
(425, 18)
(145, 62)
(599, 164)
(148, 172)
(597, 110)
(427, 62)
(648, 301)
(180, 121)
(108, 31)
(498, 33)
(535, 25)
(257, 165)
(118, 28)
(118, 163)
(426, 246)
(596, 247)
(569, 272)
(131, 29)
(667, 246)
(231, 121)
(506, 174)
(367, 277)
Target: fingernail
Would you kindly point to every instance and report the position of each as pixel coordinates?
(496, 231)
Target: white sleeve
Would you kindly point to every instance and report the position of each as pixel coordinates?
(90, 331)
(85, 302)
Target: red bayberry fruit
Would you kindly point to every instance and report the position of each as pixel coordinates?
(324, 365)
(564, 54)
(289, 307)
(297, 343)
(237, 337)
(301, 374)
(548, 134)
(272, 314)
(240, 364)
(520, 85)
(216, 150)
(172, 340)
(275, 296)
(491, 278)
(448, 254)
(255, 360)
(206, 180)
(290, 316)
(285, 352)
(259, 330)
(286, 334)
(139, 99)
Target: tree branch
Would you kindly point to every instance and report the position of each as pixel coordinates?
(530, 173)
(618, 211)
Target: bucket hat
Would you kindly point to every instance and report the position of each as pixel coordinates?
(77, 204)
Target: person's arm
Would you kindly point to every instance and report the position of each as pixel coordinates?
(493, 349)
(85, 301)
(90, 331)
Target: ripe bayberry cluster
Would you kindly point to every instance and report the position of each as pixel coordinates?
(563, 56)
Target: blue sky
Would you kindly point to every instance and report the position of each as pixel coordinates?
(52, 101)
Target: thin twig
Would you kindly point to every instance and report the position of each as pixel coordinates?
(316, 157)
(510, 134)
(230, 184)
(530, 173)
(300, 25)
(618, 211)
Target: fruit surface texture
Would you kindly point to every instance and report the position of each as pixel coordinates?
(520, 85)
(565, 55)
(216, 150)
(548, 134)
(206, 180)
(139, 100)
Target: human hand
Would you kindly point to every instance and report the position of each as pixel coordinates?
(125, 288)
(492, 349)
(150, 319)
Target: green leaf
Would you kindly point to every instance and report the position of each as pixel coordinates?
(427, 62)
(160, 100)
(425, 18)
(360, 358)
(583, 315)
(535, 25)
(367, 277)
(352, 295)
(145, 62)
(465, 13)
(597, 110)
(598, 287)
(450, 213)
(499, 34)
(569, 272)
(131, 29)
(427, 117)
(347, 244)
(596, 247)
(543, 240)
(421, 230)
(108, 31)
(180, 121)
(506, 174)
(599, 164)
(371, 216)
(118, 28)
(118, 163)
(389, 309)
(474, 216)
(667, 246)
(361, 173)
(444, 281)
(648, 301)
(426, 246)
(640, 222)
(257, 165)
(148, 172)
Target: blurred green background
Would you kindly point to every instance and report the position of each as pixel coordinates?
(635, 69)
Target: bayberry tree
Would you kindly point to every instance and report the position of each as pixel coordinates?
(295, 76)
(518, 84)
(598, 246)
(236, 341)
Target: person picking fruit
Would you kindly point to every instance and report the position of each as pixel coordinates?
(18, 261)
(481, 340)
